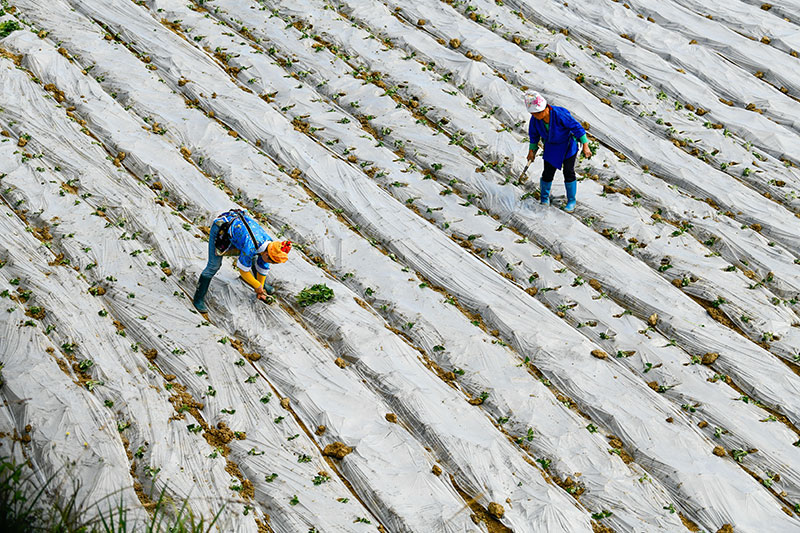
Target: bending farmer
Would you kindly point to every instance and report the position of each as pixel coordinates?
(557, 130)
(236, 233)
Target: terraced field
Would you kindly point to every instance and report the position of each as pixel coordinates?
(486, 363)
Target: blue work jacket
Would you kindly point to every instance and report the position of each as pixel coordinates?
(241, 240)
(560, 138)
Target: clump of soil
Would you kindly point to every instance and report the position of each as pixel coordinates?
(593, 283)
(691, 526)
(437, 470)
(600, 354)
(262, 526)
(653, 319)
(496, 510)
(285, 403)
(219, 437)
(569, 484)
(337, 449)
(248, 491)
(391, 417)
(600, 528)
(43, 233)
(709, 358)
(320, 430)
(341, 363)
(726, 528)
(719, 451)
(36, 312)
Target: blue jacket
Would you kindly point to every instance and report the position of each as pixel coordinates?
(560, 139)
(240, 240)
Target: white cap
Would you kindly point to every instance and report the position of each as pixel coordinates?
(535, 102)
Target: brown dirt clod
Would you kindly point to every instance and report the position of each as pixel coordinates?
(341, 363)
(600, 528)
(600, 354)
(689, 524)
(285, 403)
(709, 358)
(437, 470)
(337, 449)
(36, 312)
(320, 430)
(726, 528)
(391, 417)
(719, 451)
(593, 283)
(653, 319)
(496, 510)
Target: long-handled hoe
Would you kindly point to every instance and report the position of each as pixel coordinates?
(524, 176)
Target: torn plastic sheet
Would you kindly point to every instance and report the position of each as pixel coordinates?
(566, 517)
(627, 136)
(756, 21)
(73, 446)
(182, 336)
(677, 207)
(748, 54)
(238, 152)
(525, 222)
(625, 91)
(659, 49)
(778, 323)
(327, 195)
(447, 506)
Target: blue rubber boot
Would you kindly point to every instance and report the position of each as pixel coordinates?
(200, 294)
(544, 192)
(269, 289)
(572, 190)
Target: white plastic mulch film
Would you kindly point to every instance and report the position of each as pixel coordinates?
(485, 363)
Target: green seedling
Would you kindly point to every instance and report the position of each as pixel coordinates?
(314, 294)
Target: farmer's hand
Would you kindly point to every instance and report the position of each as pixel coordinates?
(587, 152)
(531, 155)
(261, 294)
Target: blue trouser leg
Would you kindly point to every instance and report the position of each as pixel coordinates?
(213, 265)
(570, 183)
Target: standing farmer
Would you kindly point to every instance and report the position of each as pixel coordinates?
(558, 131)
(236, 233)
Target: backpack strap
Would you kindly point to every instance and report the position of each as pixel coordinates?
(238, 213)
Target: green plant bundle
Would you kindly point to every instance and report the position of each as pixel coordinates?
(7, 27)
(316, 293)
